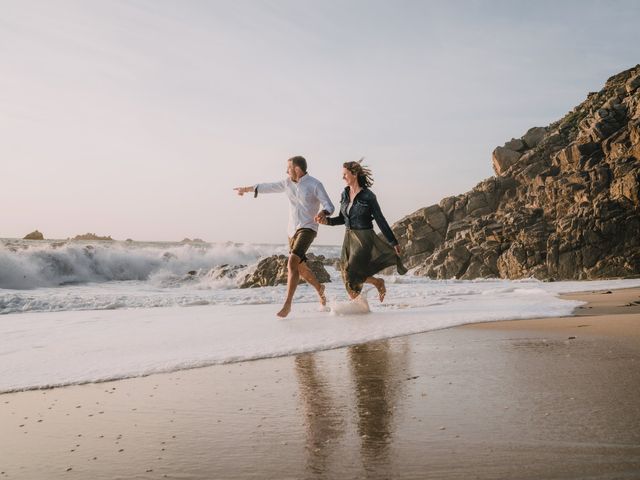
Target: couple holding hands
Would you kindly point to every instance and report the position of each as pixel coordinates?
(363, 252)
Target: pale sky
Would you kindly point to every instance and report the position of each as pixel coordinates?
(136, 118)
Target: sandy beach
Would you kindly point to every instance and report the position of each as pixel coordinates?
(526, 399)
(194, 193)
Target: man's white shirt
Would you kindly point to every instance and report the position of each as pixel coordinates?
(306, 197)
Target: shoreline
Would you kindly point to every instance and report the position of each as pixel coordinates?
(622, 303)
(507, 399)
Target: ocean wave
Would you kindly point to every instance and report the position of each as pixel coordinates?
(50, 264)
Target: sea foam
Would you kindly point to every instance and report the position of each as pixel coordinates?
(88, 312)
(29, 266)
(42, 350)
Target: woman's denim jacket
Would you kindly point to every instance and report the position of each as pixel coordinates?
(364, 210)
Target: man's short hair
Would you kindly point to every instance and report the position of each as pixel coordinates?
(299, 161)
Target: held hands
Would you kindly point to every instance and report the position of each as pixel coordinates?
(321, 218)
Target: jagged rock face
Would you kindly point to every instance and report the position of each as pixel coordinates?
(565, 203)
(272, 271)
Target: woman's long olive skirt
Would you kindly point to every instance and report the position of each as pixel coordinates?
(363, 255)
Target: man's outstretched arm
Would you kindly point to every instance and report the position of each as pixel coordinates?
(275, 187)
(242, 190)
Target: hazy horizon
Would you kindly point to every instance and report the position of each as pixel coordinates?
(136, 119)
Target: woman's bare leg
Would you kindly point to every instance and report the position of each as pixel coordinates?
(379, 284)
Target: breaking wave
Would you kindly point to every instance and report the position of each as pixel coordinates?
(24, 266)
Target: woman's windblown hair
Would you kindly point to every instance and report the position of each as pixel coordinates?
(365, 177)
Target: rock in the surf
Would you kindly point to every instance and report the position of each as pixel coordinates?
(35, 235)
(272, 271)
(92, 236)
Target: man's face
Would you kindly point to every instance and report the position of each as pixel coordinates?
(292, 171)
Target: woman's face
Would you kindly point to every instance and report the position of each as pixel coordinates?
(348, 177)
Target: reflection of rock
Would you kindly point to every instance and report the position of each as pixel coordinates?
(128, 240)
(273, 271)
(564, 204)
(35, 235)
(91, 236)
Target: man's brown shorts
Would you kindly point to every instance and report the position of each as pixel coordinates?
(301, 241)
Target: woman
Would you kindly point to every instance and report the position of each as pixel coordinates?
(363, 252)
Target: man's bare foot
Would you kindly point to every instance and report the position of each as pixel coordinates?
(382, 291)
(323, 299)
(284, 311)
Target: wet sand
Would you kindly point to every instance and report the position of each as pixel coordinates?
(527, 399)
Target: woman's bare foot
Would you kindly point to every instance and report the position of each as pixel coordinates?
(382, 291)
(284, 311)
(323, 298)
(352, 293)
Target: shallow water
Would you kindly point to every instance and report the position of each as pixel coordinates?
(452, 404)
(115, 326)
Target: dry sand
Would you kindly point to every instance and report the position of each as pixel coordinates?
(548, 398)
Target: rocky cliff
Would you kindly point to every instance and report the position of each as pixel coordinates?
(564, 203)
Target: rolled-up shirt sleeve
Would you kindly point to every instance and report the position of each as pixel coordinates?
(325, 201)
(274, 187)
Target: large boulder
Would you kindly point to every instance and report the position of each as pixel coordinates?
(503, 158)
(534, 136)
(35, 235)
(633, 84)
(273, 271)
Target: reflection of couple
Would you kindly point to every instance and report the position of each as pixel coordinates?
(377, 374)
(363, 253)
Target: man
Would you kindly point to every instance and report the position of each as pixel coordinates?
(307, 198)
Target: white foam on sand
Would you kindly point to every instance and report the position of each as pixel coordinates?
(358, 305)
(41, 350)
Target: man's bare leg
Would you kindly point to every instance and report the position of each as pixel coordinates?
(379, 284)
(293, 276)
(310, 277)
